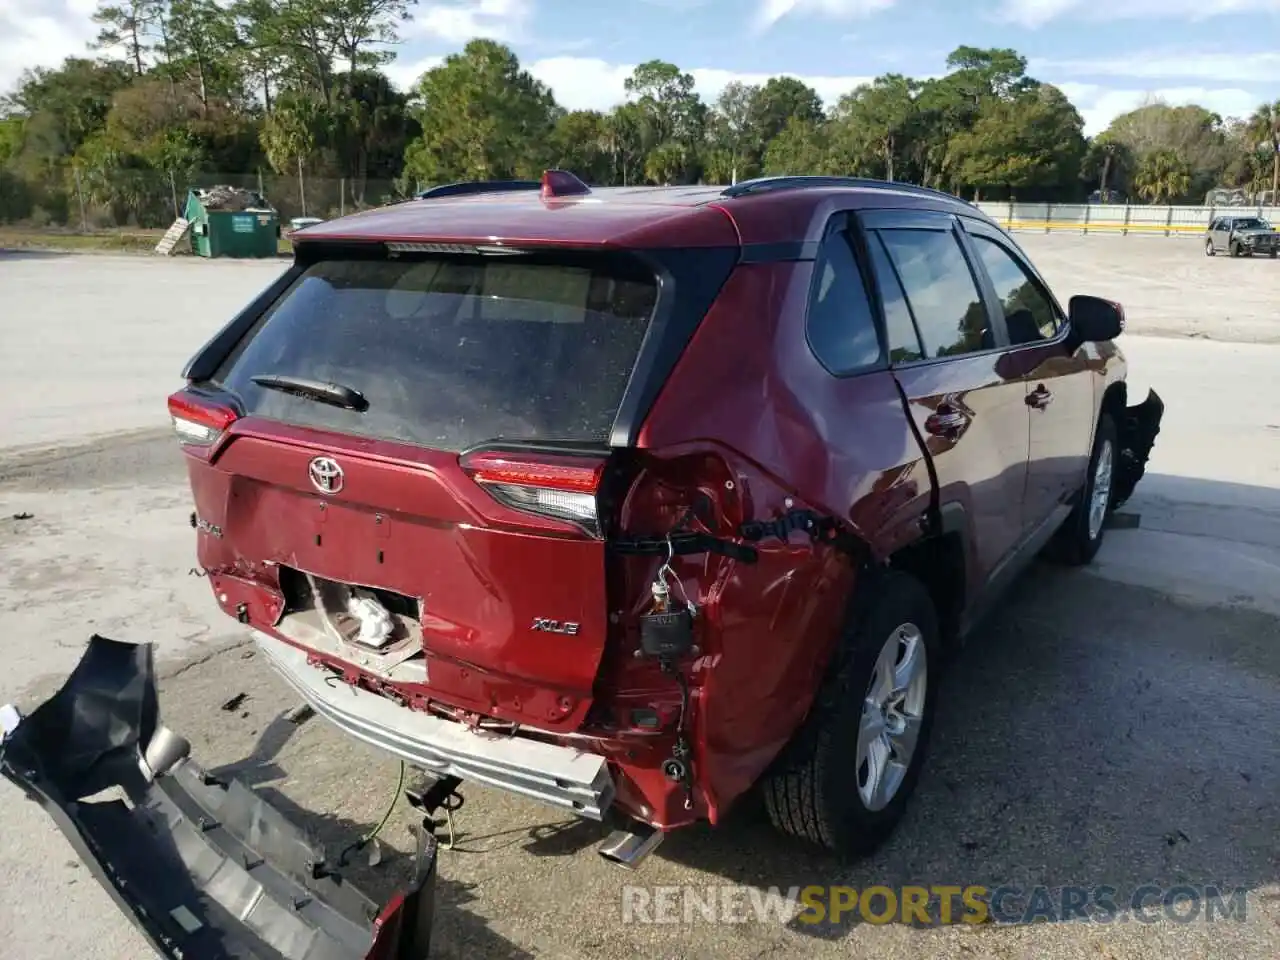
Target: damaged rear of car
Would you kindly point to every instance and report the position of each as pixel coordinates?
(410, 463)
(587, 495)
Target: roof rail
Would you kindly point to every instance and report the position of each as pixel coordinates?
(768, 184)
(466, 187)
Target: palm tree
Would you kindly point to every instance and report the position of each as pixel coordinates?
(1107, 156)
(1264, 128)
(1162, 177)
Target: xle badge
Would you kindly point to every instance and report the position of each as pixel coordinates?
(556, 626)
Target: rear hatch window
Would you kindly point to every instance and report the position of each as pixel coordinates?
(449, 352)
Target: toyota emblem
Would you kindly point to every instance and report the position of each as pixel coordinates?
(326, 475)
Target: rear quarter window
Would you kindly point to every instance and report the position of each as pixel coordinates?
(840, 325)
(452, 352)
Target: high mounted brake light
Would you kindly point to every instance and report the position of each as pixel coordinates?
(415, 247)
(395, 248)
(197, 422)
(559, 487)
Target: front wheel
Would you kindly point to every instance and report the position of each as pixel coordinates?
(1080, 537)
(845, 780)
(1235, 249)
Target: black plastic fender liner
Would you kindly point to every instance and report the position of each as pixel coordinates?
(1137, 436)
(205, 868)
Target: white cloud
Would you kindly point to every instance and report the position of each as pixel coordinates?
(769, 12)
(40, 32)
(590, 83)
(405, 73)
(583, 83)
(1036, 13)
(1100, 105)
(1239, 66)
(711, 82)
(458, 21)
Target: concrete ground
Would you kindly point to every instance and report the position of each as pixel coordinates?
(1115, 726)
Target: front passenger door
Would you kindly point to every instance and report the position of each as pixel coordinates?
(1059, 385)
(970, 414)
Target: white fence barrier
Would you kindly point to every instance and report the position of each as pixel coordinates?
(1117, 218)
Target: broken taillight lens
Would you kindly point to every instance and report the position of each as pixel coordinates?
(561, 488)
(198, 422)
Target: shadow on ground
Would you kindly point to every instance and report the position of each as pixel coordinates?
(1091, 735)
(24, 253)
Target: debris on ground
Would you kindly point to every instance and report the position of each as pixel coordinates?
(300, 714)
(235, 702)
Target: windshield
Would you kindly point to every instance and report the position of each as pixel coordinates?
(1252, 223)
(449, 352)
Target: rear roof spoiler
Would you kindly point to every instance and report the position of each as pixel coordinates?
(554, 183)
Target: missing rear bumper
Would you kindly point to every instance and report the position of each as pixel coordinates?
(204, 868)
(1138, 434)
(559, 776)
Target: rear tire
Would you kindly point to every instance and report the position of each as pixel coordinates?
(823, 789)
(1209, 250)
(1080, 537)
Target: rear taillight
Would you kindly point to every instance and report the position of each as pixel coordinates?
(562, 488)
(198, 422)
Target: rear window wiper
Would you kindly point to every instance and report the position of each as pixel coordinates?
(331, 393)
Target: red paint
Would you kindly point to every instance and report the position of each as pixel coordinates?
(748, 423)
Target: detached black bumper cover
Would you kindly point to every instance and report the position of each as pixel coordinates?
(205, 868)
(1137, 436)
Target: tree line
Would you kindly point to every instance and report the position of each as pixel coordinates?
(181, 91)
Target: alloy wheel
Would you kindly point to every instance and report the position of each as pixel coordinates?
(1100, 497)
(892, 714)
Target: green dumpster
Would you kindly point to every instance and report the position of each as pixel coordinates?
(230, 222)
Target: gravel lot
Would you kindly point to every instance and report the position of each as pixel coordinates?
(1167, 285)
(1113, 727)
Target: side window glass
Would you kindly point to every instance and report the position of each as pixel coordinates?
(940, 291)
(904, 343)
(1028, 314)
(841, 330)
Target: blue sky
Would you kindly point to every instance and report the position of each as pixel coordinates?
(1108, 55)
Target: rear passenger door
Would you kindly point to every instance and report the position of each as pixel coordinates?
(947, 355)
(1222, 233)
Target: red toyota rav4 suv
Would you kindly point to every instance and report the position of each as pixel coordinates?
(629, 500)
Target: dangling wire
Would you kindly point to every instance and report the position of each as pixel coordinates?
(667, 573)
(372, 835)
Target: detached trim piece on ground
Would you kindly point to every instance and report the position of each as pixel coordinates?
(205, 868)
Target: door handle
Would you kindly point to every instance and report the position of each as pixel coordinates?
(946, 422)
(1039, 398)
